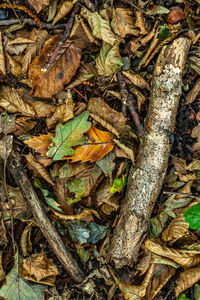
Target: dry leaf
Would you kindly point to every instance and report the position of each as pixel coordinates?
(186, 279)
(49, 82)
(2, 58)
(38, 5)
(137, 80)
(11, 100)
(123, 22)
(179, 164)
(140, 97)
(38, 268)
(140, 23)
(85, 72)
(23, 125)
(38, 169)
(41, 108)
(34, 49)
(6, 146)
(144, 261)
(64, 10)
(25, 240)
(13, 66)
(62, 113)
(40, 143)
(99, 144)
(185, 260)
(85, 216)
(176, 229)
(161, 275)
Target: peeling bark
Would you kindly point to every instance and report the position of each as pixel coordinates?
(147, 176)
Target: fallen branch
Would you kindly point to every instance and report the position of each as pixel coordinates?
(147, 176)
(42, 220)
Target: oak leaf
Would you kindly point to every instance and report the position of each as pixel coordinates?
(49, 82)
(99, 144)
(68, 136)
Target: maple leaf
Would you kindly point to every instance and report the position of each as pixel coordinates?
(100, 143)
(68, 136)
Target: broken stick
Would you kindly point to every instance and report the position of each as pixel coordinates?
(147, 176)
(41, 218)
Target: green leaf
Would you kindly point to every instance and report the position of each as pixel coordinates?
(108, 60)
(50, 198)
(182, 297)
(100, 27)
(68, 136)
(196, 292)
(17, 288)
(157, 9)
(78, 187)
(164, 32)
(192, 216)
(84, 254)
(119, 184)
(81, 233)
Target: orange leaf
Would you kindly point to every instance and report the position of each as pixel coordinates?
(49, 82)
(40, 143)
(100, 144)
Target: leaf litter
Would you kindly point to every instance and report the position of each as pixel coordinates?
(62, 109)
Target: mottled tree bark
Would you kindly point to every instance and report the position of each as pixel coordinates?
(147, 176)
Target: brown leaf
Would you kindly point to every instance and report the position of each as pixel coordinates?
(41, 108)
(99, 144)
(137, 80)
(186, 279)
(185, 260)
(38, 169)
(161, 274)
(38, 5)
(103, 196)
(140, 22)
(2, 273)
(23, 125)
(64, 9)
(50, 82)
(40, 143)
(177, 228)
(25, 240)
(85, 216)
(13, 66)
(85, 72)
(63, 112)
(39, 268)
(194, 92)
(123, 22)
(11, 100)
(2, 58)
(179, 164)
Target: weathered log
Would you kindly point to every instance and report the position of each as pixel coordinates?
(147, 176)
(41, 218)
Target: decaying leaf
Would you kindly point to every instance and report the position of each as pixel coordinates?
(100, 27)
(40, 143)
(11, 100)
(68, 136)
(13, 66)
(177, 228)
(64, 9)
(48, 82)
(41, 108)
(84, 73)
(109, 59)
(7, 123)
(186, 279)
(140, 22)
(99, 144)
(137, 80)
(2, 273)
(38, 5)
(6, 145)
(39, 268)
(123, 22)
(2, 57)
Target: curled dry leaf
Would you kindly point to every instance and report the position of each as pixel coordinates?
(49, 82)
(23, 125)
(25, 240)
(39, 37)
(176, 229)
(140, 22)
(38, 5)
(2, 57)
(63, 112)
(11, 100)
(104, 197)
(161, 274)
(100, 27)
(123, 22)
(185, 260)
(41, 108)
(194, 92)
(64, 9)
(99, 144)
(39, 268)
(139, 95)
(186, 279)
(130, 291)
(137, 80)
(13, 66)
(2, 273)
(85, 72)
(38, 169)
(109, 59)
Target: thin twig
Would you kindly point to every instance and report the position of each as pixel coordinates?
(181, 194)
(32, 23)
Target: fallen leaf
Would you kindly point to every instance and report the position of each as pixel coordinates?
(177, 228)
(17, 287)
(41, 108)
(108, 60)
(2, 273)
(99, 144)
(40, 143)
(100, 27)
(68, 136)
(13, 66)
(6, 146)
(23, 125)
(52, 9)
(140, 22)
(123, 22)
(84, 73)
(7, 123)
(137, 80)
(2, 57)
(85, 216)
(39, 268)
(186, 279)
(49, 82)
(38, 5)
(64, 9)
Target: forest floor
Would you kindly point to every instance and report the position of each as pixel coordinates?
(77, 87)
